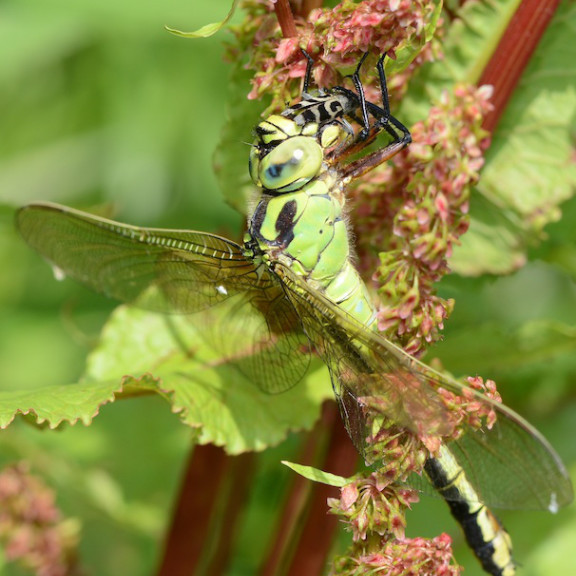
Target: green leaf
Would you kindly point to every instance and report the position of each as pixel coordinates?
(493, 243)
(317, 475)
(54, 405)
(231, 155)
(206, 392)
(467, 45)
(208, 29)
(559, 249)
(529, 169)
(534, 341)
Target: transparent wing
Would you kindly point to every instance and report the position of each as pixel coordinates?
(160, 270)
(179, 271)
(510, 464)
(262, 337)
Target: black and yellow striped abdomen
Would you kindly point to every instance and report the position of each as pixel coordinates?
(484, 532)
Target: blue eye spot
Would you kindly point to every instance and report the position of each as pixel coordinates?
(274, 170)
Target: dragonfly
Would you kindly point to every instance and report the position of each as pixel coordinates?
(291, 291)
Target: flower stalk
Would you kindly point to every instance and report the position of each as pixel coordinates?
(407, 217)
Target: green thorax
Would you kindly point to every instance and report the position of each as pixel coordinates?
(300, 219)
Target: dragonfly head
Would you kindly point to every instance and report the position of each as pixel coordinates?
(285, 156)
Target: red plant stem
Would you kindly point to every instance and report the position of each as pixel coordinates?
(239, 476)
(186, 540)
(285, 18)
(308, 6)
(317, 535)
(513, 53)
(298, 495)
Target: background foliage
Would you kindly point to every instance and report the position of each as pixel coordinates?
(108, 111)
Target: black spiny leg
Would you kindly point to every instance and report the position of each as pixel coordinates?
(384, 120)
(308, 74)
(362, 98)
(373, 119)
(387, 118)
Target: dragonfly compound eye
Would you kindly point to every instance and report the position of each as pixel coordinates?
(290, 165)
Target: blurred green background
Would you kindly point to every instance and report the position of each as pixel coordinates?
(103, 110)
(106, 111)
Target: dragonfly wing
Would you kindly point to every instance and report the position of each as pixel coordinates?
(513, 466)
(508, 462)
(179, 271)
(262, 335)
(159, 270)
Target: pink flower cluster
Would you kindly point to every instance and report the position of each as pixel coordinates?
(416, 210)
(337, 38)
(413, 414)
(31, 527)
(373, 505)
(474, 411)
(395, 450)
(352, 28)
(403, 557)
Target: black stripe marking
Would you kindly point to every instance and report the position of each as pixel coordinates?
(324, 114)
(309, 116)
(285, 223)
(257, 219)
(336, 108)
(471, 516)
(261, 131)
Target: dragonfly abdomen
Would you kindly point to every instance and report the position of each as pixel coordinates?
(483, 531)
(348, 291)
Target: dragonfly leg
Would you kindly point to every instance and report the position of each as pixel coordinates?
(363, 135)
(308, 74)
(386, 119)
(383, 121)
(360, 167)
